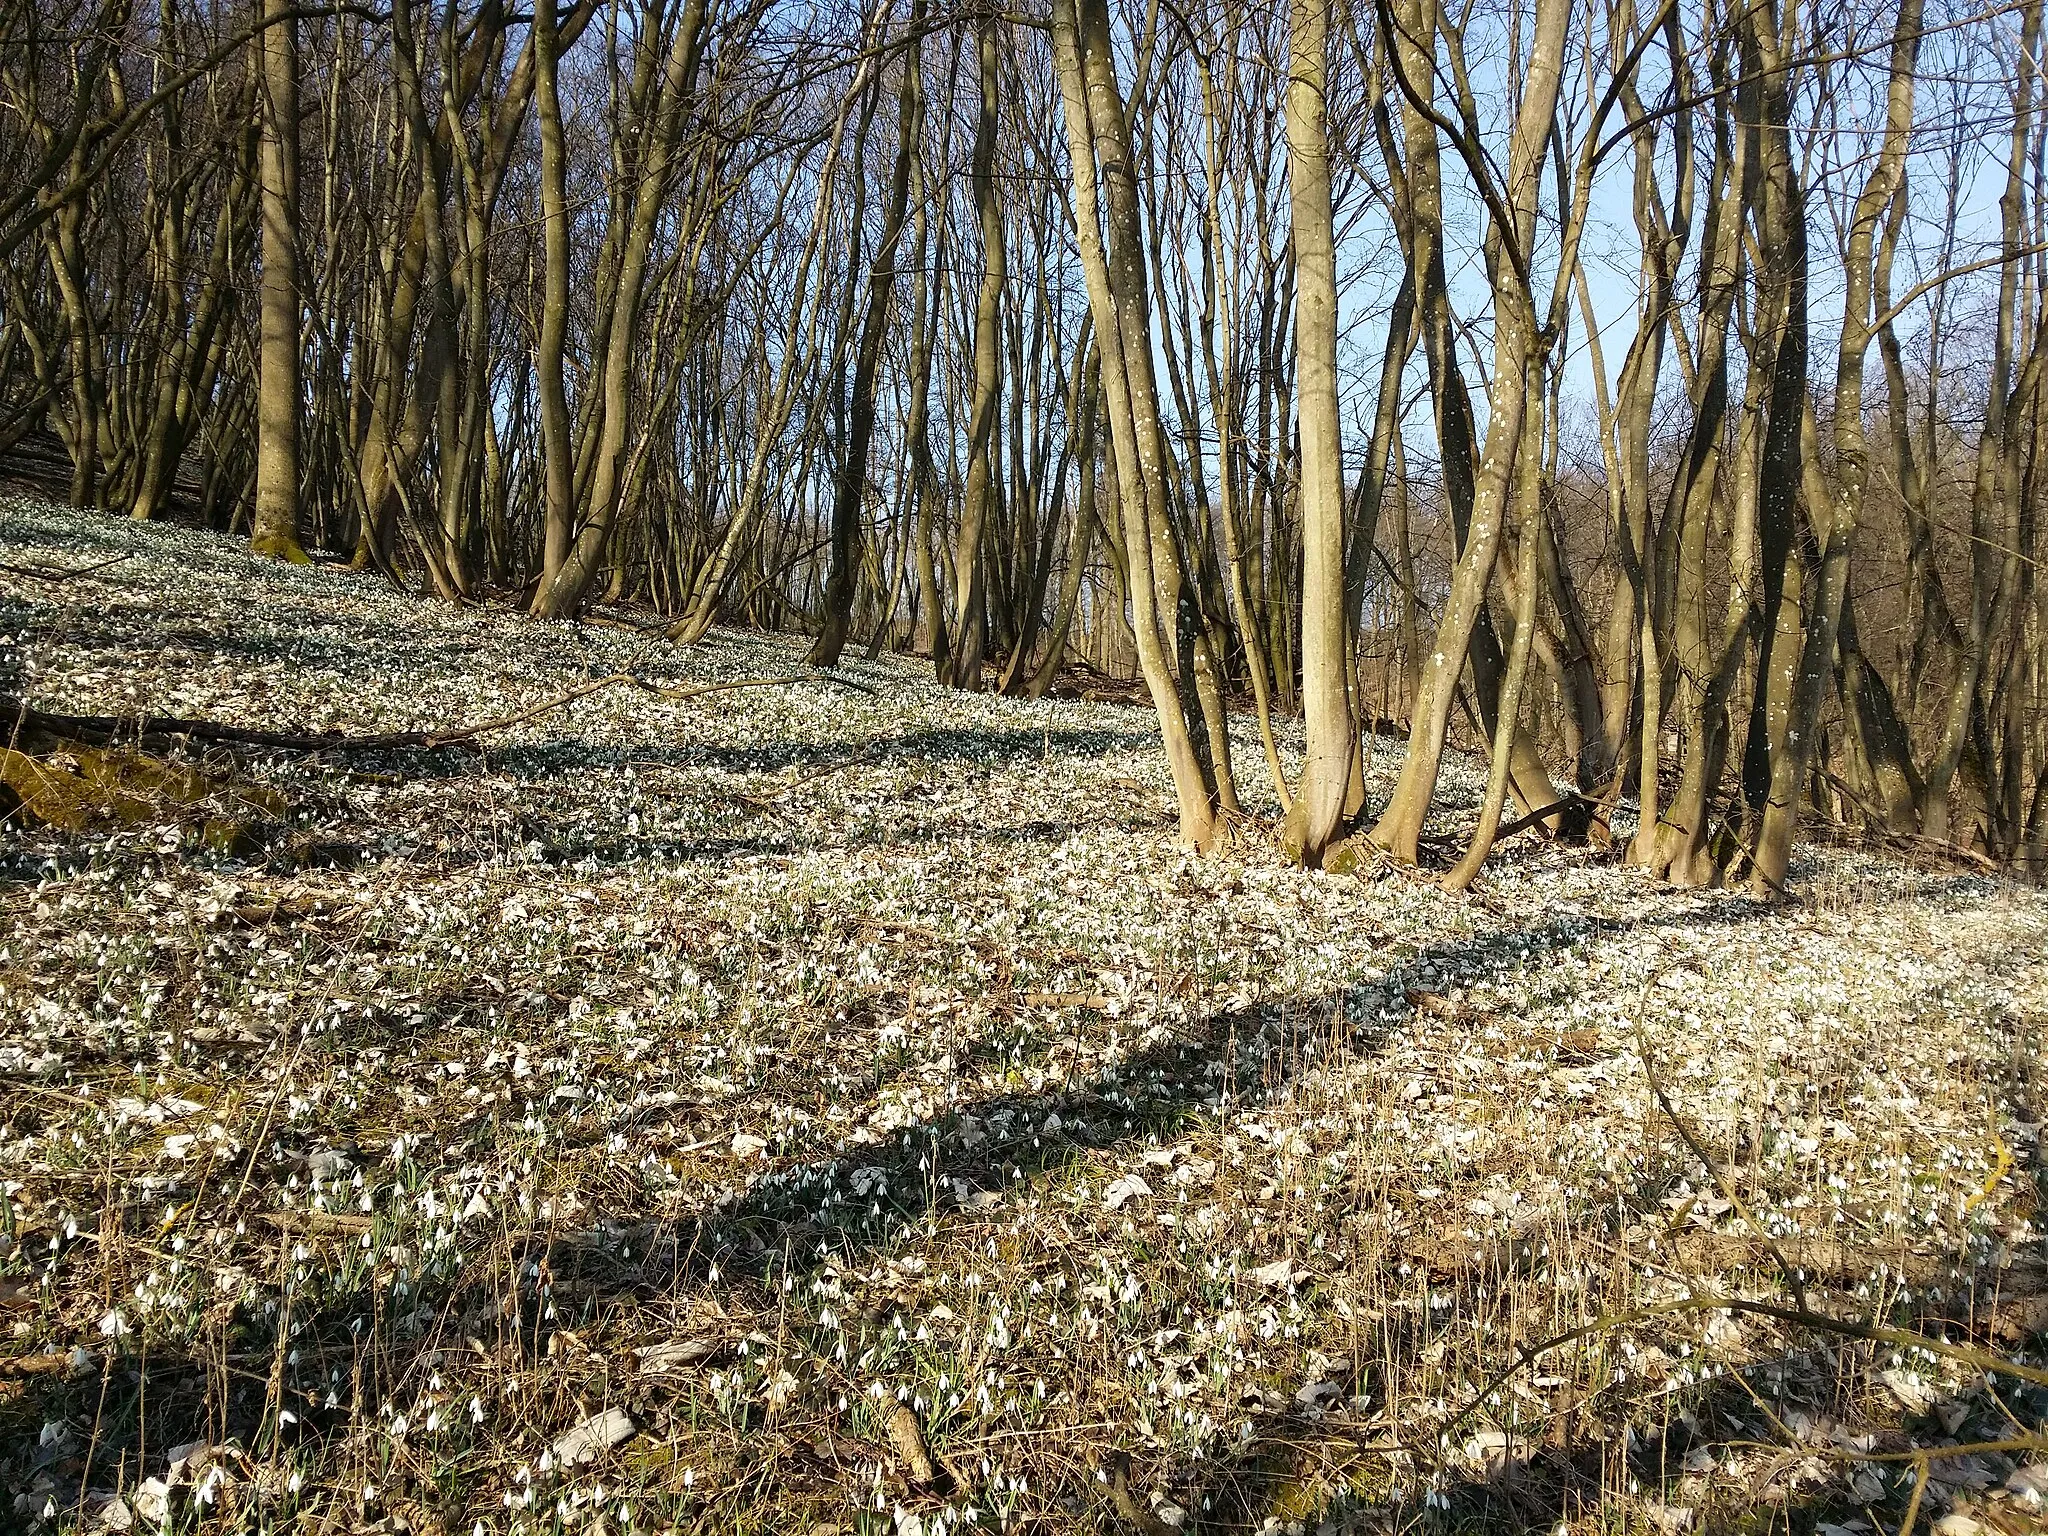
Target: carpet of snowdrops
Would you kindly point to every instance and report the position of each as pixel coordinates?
(837, 1105)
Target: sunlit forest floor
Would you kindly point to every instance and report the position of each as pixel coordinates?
(836, 1105)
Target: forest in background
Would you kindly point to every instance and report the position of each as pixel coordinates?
(1653, 393)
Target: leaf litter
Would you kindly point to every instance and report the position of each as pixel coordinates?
(804, 1108)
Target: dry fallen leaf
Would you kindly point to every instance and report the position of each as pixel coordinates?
(1124, 1190)
(679, 1355)
(906, 1433)
(601, 1432)
(1281, 1272)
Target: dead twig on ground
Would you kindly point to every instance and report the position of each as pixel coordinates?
(1725, 1184)
(1851, 1328)
(45, 573)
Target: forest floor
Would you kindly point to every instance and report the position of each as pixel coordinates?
(820, 1107)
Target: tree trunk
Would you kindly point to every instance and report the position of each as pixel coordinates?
(1315, 820)
(850, 488)
(1098, 134)
(1789, 766)
(276, 526)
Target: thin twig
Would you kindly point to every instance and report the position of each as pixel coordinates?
(1919, 1490)
(1872, 1333)
(43, 573)
(1523, 823)
(1726, 1184)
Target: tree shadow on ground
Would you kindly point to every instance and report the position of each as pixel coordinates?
(991, 746)
(1819, 1433)
(803, 1217)
(739, 819)
(821, 1208)
(1785, 1442)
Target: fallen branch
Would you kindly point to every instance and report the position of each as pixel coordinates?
(867, 755)
(21, 1367)
(1801, 1315)
(1094, 1001)
(316, 1221)
(906, 1435)
(1117, 1466)
(1524, 823)
(104, 729)
(1906, 842)
(1984, 1360)
(45, 573)
(1714, 1170)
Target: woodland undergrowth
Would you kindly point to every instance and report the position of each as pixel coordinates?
(816, 1107)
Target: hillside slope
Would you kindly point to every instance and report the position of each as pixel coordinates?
(847, 1100)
